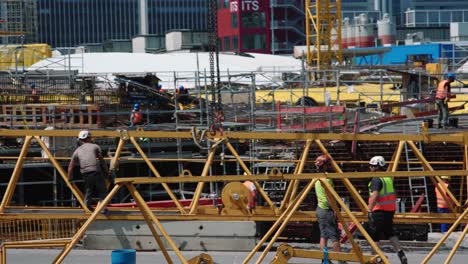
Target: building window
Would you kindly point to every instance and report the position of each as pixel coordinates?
(253, 41)
(253, 20)
(227, 43)
(234, 20)
(235, 43)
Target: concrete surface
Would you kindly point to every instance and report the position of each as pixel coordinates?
(78, 256)
(451, 240)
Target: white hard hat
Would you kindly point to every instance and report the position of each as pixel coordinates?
(84, 134)
(377, 161)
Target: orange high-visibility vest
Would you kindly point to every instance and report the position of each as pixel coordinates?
(441, 202)
(442, 90)
(137, 117)
(386, 200)
(252, 192)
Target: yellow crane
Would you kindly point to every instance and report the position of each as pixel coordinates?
(323, 33)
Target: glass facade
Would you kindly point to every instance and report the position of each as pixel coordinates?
(67, 23)
(253, 20)
(437, 4)
(165, 15)
(253, 41)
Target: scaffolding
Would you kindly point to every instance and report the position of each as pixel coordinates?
(18, 21)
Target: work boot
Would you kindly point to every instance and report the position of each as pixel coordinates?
(402, 257)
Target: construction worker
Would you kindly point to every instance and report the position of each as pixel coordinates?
(181, 90)
(86, 156)
(34, 94)
(136, 118)
(442, 198)
(159, 88)
(442, 98)
(382, 207)
(326, 217)
(252, 194)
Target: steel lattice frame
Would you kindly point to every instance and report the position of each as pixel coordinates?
(323, 33)
(233, 210)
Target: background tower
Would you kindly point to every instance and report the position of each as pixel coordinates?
(323, 33)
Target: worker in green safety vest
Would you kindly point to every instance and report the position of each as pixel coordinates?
(382, 207)
(326, 217)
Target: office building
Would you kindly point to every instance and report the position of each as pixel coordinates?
(65, 23)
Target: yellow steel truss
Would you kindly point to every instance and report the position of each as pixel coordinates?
(323, 33)
(280, 215)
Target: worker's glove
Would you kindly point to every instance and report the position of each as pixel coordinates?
(446, 100)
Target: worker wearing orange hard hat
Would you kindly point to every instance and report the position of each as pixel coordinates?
(326, 217)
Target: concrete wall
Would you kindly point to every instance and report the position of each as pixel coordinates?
(188, 235)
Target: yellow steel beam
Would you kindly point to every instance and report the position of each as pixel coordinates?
(360, 202)
(101, 205)
(199, 189)
(286, 252)
(289, 177)
(435, 180)
(74, 189)
(144, 208)
(246, 169)
(465, 166)
(445, 236)
(212, 214)
(285, 216)
(363, 231)
(294, 185)
(15, 176)
(458, 138)
(156, 173)
(355, 246)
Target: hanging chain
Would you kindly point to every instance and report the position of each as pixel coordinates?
(211, 48)
(217, 115)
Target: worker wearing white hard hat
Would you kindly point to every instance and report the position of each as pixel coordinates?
(382, 207)
(86, 156)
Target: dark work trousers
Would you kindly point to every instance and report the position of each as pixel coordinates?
(443, 112)
(95, 187)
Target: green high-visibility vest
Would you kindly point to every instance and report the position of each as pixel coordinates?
(322, 200)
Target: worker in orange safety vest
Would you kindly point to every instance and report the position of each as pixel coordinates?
(252, 194)
(136, 117)
(442, 98)
(382, 207)
(442, 198)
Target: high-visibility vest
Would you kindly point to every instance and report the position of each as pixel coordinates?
(137, 117)
(442, 89)
(252, 192)
(441, 202)
(322, 200)
(386, 200)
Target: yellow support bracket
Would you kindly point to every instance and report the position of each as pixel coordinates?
(285, 252)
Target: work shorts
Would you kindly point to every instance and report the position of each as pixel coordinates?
(327, 224)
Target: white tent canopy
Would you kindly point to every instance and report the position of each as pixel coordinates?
(163, 65)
